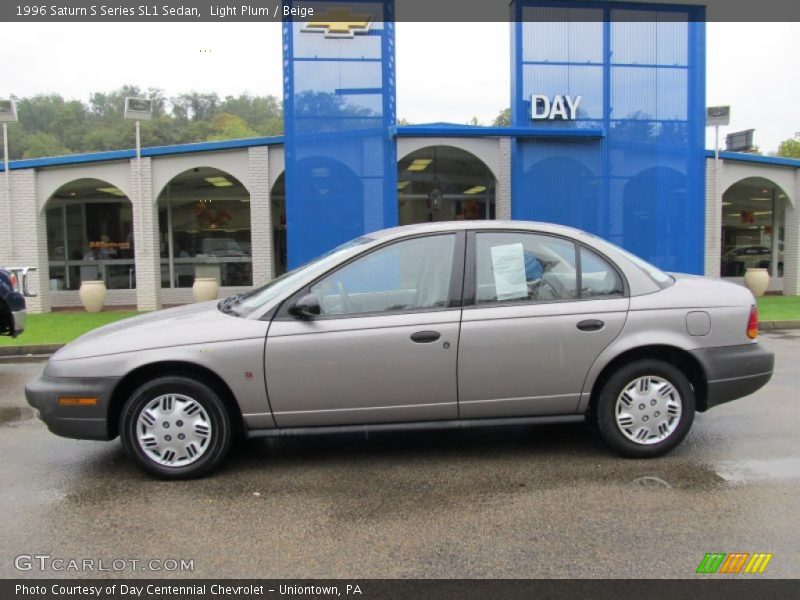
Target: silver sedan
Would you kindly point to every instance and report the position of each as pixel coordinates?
(444, 325)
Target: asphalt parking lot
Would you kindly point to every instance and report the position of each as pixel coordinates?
(513, 502)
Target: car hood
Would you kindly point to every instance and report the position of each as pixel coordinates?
(192, 324)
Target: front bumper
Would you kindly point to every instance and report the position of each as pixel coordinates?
(18, 318)
(734, 371)
(81, 421)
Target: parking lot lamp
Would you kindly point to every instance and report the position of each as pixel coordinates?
(139, 109)
(8, 114)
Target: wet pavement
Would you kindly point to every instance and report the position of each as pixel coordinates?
(510, 502)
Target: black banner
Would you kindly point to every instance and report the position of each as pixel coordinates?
(380, 589)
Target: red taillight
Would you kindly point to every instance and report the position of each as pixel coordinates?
(14, 280)
(752, 323)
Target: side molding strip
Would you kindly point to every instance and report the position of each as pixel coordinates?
(419, 426)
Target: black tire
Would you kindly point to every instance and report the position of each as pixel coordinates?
(604, 410)
(215, 446)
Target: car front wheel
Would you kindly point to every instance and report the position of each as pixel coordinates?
(175, 428)
(645, 409)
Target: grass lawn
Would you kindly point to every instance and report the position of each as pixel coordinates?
(62, 327)
(779, 308)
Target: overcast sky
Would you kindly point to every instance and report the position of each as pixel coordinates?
(446, 72)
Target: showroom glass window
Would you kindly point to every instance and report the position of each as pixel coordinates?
(444, 183)
(410, 275)
(90, 236)
(204, 229)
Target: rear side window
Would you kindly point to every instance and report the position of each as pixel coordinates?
(598, 278)
(530, 267)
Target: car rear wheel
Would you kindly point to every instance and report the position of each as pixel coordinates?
(176, 428)
(645, 409)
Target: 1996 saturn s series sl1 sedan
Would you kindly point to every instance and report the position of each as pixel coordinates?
(428, 326)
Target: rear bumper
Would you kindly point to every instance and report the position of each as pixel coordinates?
(734, 371)
(81, 421)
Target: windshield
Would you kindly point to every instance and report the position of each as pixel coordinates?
(242, 305)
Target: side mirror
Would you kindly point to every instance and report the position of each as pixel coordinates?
(306, 308)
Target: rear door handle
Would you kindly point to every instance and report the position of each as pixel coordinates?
(425, 337)
(590, 325)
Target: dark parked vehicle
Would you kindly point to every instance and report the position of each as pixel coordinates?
(12, 305)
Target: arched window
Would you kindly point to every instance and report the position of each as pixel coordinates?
(204, 229)
(752, 227)
(443, 183)
(90, 235)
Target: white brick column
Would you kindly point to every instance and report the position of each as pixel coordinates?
(502, 206)
(29, 238)
(260, 214)
(713, 228)
(791, 253)
(145, 235)
(5, 220)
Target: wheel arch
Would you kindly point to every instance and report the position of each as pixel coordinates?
(673, 355)
(143, 373)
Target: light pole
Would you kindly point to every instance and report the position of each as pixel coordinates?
(139, 109)
(716, 116)
(8, 114)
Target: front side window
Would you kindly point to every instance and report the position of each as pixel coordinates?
(410, 275)
(515, 267)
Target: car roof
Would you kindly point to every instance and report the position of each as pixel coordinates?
(444, 226)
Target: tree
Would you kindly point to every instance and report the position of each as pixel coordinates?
(789, 148)
(264, 114)
(503, 119)
(49, 125)
(226, 126)
(195, 106)
(44, 144)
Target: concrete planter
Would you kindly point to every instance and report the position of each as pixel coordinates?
(757, 281)
(205, 288)
(93, 295)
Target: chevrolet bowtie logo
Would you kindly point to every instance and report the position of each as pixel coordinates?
(339, 23)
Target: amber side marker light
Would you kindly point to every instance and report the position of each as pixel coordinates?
(752, 323)
(77, 401)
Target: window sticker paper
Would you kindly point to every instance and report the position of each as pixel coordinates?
(508, 265)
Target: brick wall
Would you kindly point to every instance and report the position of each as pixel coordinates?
(791, 254)
(260, 215)
(503, 188)
(28, 238)
(713, 228)
(145, 235)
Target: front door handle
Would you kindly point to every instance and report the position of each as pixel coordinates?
(591, 325)
(425, 337)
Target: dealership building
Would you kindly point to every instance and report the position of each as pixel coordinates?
(607, 134)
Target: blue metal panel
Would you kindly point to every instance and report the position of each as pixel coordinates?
(339, 103)
(640, 71)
